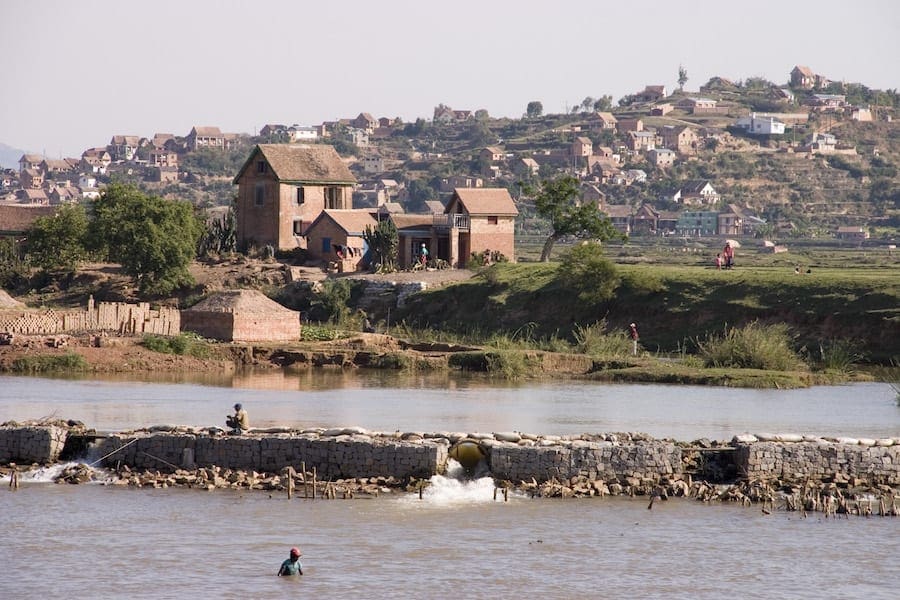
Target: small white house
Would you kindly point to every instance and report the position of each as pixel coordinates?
(299, 133)
(759, 125)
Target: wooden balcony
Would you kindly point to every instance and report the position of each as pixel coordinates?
(455, 221)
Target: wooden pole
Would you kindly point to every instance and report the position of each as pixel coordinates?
(314, 483)
(305, 487)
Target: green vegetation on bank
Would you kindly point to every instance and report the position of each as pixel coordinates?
(677, 308)
(64, 363)
(184, 344)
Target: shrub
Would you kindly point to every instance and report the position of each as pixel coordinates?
(585, 270)
(331, 301)
(752, 346)
(184, 344)
(594, 340)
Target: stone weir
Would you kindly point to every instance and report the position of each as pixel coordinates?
(356, 453)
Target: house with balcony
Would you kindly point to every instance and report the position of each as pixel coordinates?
(475, 220)
(282, 189)
(30, 161)
(123, 148)
(697, 192)
(620, 216)
(97, 160)
(205, 137)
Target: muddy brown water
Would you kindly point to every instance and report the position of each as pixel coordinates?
(95, 541)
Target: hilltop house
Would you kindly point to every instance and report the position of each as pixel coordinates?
(205, 137)
(123, 147)
(760, 125)
(803, 77)
(582, 147)
(661, 157)
(282, 188)
(603, 121)
(681, 139)
(697, 191)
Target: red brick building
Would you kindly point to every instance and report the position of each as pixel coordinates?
(282, 189)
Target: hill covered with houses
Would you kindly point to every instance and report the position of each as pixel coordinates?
(807, 158)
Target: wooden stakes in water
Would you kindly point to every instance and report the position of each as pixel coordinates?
(14, 477)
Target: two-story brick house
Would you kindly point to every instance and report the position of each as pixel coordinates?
(478, 220)
(282, 188)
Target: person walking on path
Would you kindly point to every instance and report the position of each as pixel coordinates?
(239, 421)
(634, 338)
(291, 565)
(728, 253)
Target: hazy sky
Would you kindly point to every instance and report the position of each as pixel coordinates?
(76, 72)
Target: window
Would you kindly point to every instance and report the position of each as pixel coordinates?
(262, 166)
(301, 196)
(298, 227)
(332, 197)
(492, 220)
(259, 193)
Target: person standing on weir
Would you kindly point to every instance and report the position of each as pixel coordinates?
(633, 332)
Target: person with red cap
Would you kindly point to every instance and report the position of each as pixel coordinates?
(291, 565)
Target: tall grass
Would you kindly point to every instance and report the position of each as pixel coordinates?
(67, 362)
(594, 340)
(839, 355)
(753, 346)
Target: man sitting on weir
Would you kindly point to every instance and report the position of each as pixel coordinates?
(239, 421)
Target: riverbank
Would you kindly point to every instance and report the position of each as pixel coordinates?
(87, 354)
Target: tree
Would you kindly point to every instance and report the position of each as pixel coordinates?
(534, 109)
(58, 241)
(587, 104)
(682, 77)
(603, 103)
(558, 201)
(383, 242)
(153, 239)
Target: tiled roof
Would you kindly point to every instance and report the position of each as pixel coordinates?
(300, 163)
(240, 301)
(19, 217)
(485, 201)
(352, 220)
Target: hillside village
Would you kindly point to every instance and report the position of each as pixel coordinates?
(811, 158)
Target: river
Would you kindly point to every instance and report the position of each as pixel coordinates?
(95, 541)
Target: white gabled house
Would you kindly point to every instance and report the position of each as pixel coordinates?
(760, 125)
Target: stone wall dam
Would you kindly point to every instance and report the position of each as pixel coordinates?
(340, 453)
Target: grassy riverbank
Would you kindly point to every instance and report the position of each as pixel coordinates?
(675, 307)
